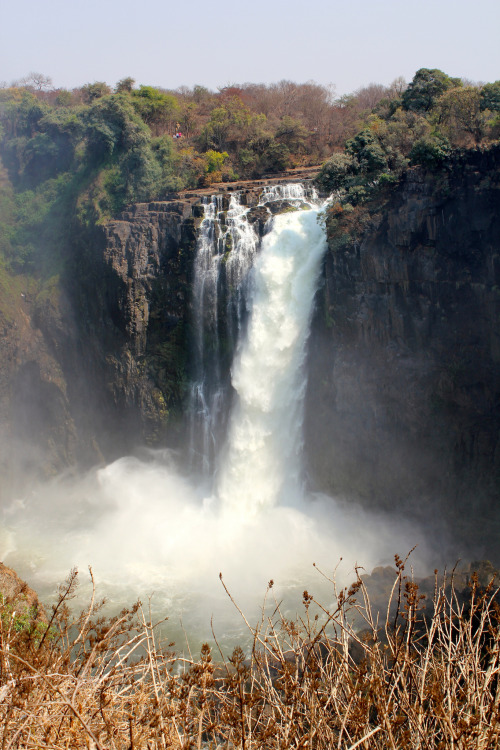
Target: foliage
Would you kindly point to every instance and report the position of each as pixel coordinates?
(125, 85)
(427, 85)
(291, 133)
(459, 111)
(333, 173)
(107, 150)
(419, 125)
(156, 108)
(490, 96)
(92, 91)
(366, 150)
(430, 151)
(426, 675)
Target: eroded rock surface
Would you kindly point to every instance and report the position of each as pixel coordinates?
(403, 402)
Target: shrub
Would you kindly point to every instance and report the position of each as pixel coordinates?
(333, 677)
(334, 172)
(430, 151)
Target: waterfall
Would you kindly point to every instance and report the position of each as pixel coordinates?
(144, 525)
(226, 248)
(260, 462)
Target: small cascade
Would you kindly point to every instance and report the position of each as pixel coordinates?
(226, 248)
(293, 191)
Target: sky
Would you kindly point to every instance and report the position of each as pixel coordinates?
(213, 44)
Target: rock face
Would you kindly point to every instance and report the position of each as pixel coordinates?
(403, 400)
(94, 363)
(36, 425)
(130, 287)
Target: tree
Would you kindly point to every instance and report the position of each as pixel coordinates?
(430, 151)
(369, 96)
(229, 126)
(459, 110)
(365, 148)
(490, 96)
(36, 81)
(125, 86)
(64, 98)
(334, 173)
(20, 112)
(156, 108)
(113, 127)
(92, 91)
(291, 133)
(427, 85)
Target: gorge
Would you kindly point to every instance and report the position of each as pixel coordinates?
(144, 523)
(401, 406)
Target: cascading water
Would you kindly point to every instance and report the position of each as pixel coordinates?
(261, 465)
(226, 249)
(225, 252)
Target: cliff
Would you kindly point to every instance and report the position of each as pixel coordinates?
(130, 285)
(403, 399)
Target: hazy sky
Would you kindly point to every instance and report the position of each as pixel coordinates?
(170, 44)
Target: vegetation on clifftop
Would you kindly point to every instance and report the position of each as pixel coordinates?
(71, 160)
(432, 118)
(90, 152)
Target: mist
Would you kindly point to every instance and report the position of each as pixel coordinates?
(147, 530)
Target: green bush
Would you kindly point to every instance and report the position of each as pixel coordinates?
(335, 171)
(430, 151)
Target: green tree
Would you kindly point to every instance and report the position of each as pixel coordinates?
(119, 141)
(156, 108)
(291, 133)
(427, 85)
(229, 126)
(430, 151)
(64, 98)
(96, 90)
(20, 113)
(335, 172)
(365, 148)
(490, 96)
(459, 111)
(125, 86)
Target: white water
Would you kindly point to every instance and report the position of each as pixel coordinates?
(261, 466)
(209, 390)
(146, 528)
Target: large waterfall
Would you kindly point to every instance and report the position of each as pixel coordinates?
(142, 523)
(258, 463)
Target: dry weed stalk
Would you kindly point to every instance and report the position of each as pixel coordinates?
(429, 677)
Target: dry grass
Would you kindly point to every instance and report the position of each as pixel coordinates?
(427, 677)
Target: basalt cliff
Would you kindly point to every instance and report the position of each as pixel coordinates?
(403, 402)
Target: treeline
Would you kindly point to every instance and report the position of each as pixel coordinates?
(91, 151)
(433, 116)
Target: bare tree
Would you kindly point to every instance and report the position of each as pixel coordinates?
(36, 81)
